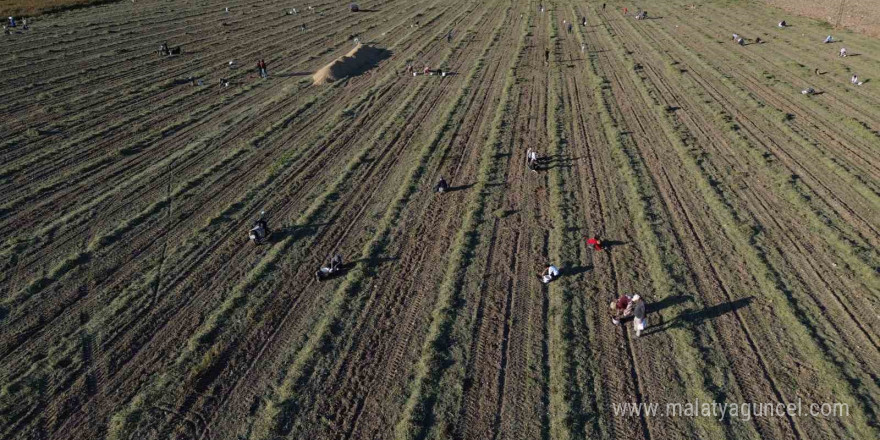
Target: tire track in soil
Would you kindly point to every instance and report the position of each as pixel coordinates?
(591, 194)
(93, 149)
(708, 276)
(807, 124)
(182, 64)
(620, 254)
(823, 190)
(369, 345)
(486, 399)
(245, 105)
(769, 215)
(772, 216)
(404, 142)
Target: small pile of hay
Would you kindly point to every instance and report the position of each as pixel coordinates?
(359, 59)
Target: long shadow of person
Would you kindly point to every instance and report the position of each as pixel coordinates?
(691, 318)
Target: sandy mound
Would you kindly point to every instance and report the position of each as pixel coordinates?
(353, 63)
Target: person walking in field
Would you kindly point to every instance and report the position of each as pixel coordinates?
(583, 47)
(625, 10)
(546, 56)
(584, 21)
(842, 52)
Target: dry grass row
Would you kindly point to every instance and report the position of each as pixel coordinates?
(28, 8)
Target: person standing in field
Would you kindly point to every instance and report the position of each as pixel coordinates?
(546, 56)
(625, 10)
(639, 319)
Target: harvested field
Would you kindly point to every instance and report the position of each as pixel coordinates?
(133, 305)
(858, 15)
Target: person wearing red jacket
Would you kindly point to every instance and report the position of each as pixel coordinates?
(596, 243)
(621, 308)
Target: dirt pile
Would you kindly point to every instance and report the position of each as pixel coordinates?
(355, 62)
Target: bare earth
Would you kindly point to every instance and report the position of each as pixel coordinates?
(133, 306)
(859, 15)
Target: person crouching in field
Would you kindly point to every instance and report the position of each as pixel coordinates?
(626, 307)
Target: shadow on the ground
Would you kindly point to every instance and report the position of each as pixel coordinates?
(692, 318)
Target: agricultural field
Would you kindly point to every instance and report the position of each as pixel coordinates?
(745, 213)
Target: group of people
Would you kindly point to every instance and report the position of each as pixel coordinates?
(12, 23)
(739, 40)
(828, 39)
(165, 50)
(627, 307)
(260, 232)
(411, 70)
(622, 309)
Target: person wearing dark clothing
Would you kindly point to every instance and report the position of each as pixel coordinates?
(260, 231)
(327, 271)
(547, 56)
(335, 263)
(441, 186)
